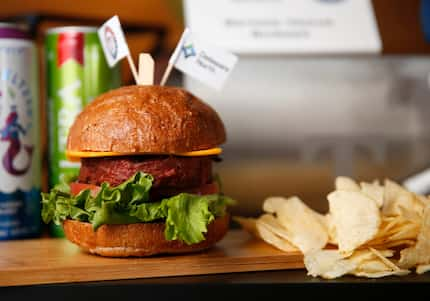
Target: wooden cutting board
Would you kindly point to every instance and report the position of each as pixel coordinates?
(50, 260)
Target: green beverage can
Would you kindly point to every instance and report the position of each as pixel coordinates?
(76, 72)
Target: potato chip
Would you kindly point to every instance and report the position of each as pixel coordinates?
(361, 256)
(383, 258)
(356, 218)
(373, 263)
(425, 201)
(412, 213)
(372, 266)
(268, 236)
(347, 184)
(407, 231)
(365, 221)
(322, 220)
(399, 201)
(303, 224)
(392, 244)
(273, 225)
(373, 191)
(248, 224)
(380, 274)
(272, 204)
(328, 264)
(389, 224)
(331, 229)
(385, 230)
(393, 232)
(423, 268)
(420, 253)
(261, 231)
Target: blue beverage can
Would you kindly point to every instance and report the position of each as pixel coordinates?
(20, 166)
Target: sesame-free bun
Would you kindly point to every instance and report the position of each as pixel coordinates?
(141, 239)
(146, 119)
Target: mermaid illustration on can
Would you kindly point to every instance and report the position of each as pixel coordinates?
(11, 133)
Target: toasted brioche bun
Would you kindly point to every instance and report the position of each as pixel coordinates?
(141, 239)
(146, 119)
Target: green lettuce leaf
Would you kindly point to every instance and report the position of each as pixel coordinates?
(186, 216)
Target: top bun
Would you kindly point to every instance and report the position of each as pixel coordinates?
(146, 119)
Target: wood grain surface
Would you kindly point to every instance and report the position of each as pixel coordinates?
(46, 260)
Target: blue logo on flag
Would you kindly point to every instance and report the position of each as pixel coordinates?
(188, 50)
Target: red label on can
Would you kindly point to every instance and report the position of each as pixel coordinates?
(70, 46)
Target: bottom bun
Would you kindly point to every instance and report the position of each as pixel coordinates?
(141, 239)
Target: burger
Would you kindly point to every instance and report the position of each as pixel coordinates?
(145, 185)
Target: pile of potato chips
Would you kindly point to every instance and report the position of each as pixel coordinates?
(371, 230)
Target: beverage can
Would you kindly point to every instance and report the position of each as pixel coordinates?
(76, 72)
(20, 169)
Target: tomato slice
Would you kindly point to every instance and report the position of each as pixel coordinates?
(76, 187)
(211, 188)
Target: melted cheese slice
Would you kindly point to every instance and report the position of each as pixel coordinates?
(77, 155)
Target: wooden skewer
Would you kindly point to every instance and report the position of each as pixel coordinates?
(166, 74)
(133, 68)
